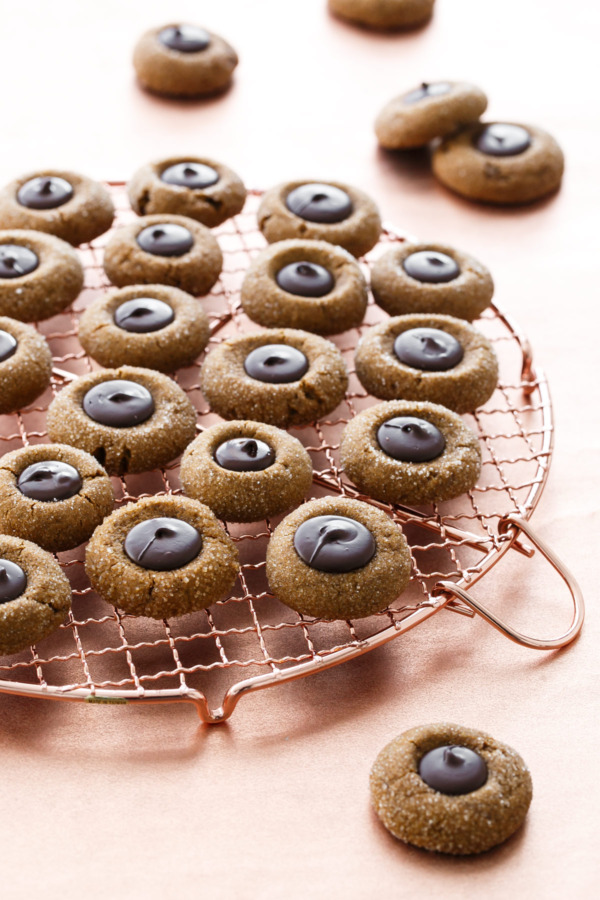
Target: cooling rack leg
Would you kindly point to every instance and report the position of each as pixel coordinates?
(515, 525)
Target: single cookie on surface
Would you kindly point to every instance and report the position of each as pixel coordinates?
(431, 110)
(35, 596)
(431, 278)
(181, 60)
(500, 162)
(25, 365)
(65, 204)
(384, 14)
(164, 249)
(155, 326)
(451, 789)
(192, 186)
(281, 376)
(130, 419)
(404, 451)
(40, 275)
(161, 557)
(312, 285)
(333, 212)
(436, 358)
(245, 471)
(336, 558)
(53, 495)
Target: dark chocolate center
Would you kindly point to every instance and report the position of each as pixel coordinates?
(503, 140)
(118, 403)
(276, 364)
(431, 267)
(8, 345)
(49, 480)
(426, 91)
(143, 314)
(453, 770)
(13, 580)
(163, 544)
(429, 349)
(16, 261)
(244, 455)
(319, 203)
(334, 544)
(45, 192)
(184, 38)
(166, 239)
(190, 175)
(409, 439)
(305, 279)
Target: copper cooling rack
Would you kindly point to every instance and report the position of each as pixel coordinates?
(250, 640)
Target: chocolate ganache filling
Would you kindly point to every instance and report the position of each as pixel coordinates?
(163, 544)
(334, 544)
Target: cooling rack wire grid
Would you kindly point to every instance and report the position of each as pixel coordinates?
(249, 640)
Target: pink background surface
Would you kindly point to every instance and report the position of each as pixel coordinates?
(143, 801)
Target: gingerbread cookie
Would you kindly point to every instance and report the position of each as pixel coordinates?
(164, 249)
(65, 204)
(53, 495)
(335, 558)
(500, 162)
(281, 376)
(431, 110)
(431, 278)
(181, 60)
(245, 471)
(40, 275)
(25, 365)
(409, 452)
(130, 419)
(192, 186)
(333, 212)
(386, 15)
(436, 358)
(35, 596)
(161, 557)
(304, 284)
(451, 789)
(154, 326)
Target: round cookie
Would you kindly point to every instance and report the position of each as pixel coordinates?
(53, 495)
(436, 456)
(40, 275)
(431, 278)
(306, 376)
(161, 557)
(500, 162)
(431, 110)
(436, 358)
(312, 285)
(181, 60)
(245, 471)
(35, 596)
(65, 204)
(481, 795)
(155, 326)
(333, 212)
(164, 249)
(25, 365)
(336, 558)
(192, 186)
(384, 14)
(141, 419)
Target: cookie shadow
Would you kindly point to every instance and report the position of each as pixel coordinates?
(389, 33)
(173, 101)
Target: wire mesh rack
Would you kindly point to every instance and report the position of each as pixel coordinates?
(249, 640)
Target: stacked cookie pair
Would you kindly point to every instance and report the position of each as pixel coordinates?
(491, 162)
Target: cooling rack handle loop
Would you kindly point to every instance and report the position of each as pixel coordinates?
(515, 525)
